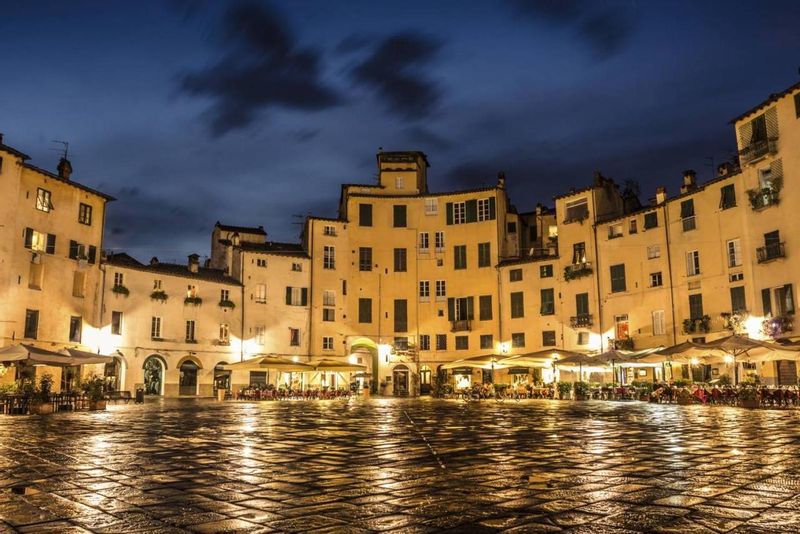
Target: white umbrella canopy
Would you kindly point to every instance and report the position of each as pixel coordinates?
(81, 357)
(487, 361)
(337, 367)
(268, 361)
(34, 355)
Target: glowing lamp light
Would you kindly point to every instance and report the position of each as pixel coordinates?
(384, 351)
(352, 359)
(295, 359)
(503, 347)
(695, 361)
(728, 359)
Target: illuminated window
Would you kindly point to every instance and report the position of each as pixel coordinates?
(224, 333)
(43, 200)
(327, 343)
(85, 214)
(155, 328)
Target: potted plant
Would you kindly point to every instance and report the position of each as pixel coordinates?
(40, 400)
(192, 301)
(227, 304)
(643, 388)
(564, 390)
(685, 397)
(120, 290)
(581, 391)
(93, 387)
(748, 395)
(158, 295)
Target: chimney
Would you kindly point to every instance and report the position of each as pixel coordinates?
(661, 195)
(64, 168)
(1, 139)
(501, 180)
(153, 261)
(689, 181)
(194, 263)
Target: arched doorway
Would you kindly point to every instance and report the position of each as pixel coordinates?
(222, 378)
(188, 378)
(363, 344)
(400, 381)
(154, 370)
(425, 380)
(114, 374)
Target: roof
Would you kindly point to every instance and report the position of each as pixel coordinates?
(574, 192)
(419, 195)
(401, 154)
(241, 229)
(122, 259)
(68, 182)
(270, 247)
(770, 99)
(14, 151)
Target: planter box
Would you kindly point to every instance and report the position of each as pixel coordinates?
(42, 408)
(749, 403)
(97, 405)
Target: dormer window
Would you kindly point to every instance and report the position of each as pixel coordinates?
(577, 210)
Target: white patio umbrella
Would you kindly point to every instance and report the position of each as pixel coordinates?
(34, 356)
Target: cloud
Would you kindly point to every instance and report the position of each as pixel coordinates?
(395, 70)
(604, 29)
(262, 68)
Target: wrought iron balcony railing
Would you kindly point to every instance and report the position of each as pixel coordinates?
(758, 149)
(770, 252)
(582, 320)
(461, 326)
(577, 270)
(625, 343)
(763, 198)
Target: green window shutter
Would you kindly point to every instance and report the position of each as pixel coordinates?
(492, 208)
(73, 249)
(400, 315)
(471, 209)
(92, 254)
(485, 305)
(451, 309)
(766, 302)
(449, 211)
(365, 214)
(51, 244)
(304, 296)
(470, 308)
(399, 216)
(288, 295)
(28, 237)
(789, 304)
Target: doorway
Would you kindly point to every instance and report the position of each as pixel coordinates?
(222, 378)
(188, 378)
(153, 376)
(400, 381)
(425, 380)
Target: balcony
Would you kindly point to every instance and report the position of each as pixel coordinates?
(776, 327)
(758, 150)
(577, 270)
(461, 326)
(763, 198)
(621, 344)
(697, 325)
(770, 252)
(582, 320)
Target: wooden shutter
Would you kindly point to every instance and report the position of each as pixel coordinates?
(766, 302)
(493, 209)
(776, 172)
(51, 244)
(92, 253)
(745, 133)
(400, 315)
(73, 249)
(787, 291)
(28, 237)
(304, 296)
(470, 301)
(365, 214)
(771, 118)
(485, 304)
(449, 212)
(471, 209)
(451, 309)
(659, 328)
(288, 296)
(399, 216)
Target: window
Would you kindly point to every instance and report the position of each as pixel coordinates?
(548, 303)
(441, 289)
(31, 324)
(261, 294)
(487, 341)
(484, 255)
(260, 334)
(327, 343)
(483, 209)
(399, 183)
(459, 213)
(734, 247)
(258, 379)
(653, 252)
(439, 243)
(328, 314)
(424, 342)
(485, 307)
(364, 259)
(441, 341)
(650, 220)
(328, 257)
(190, 332)
(462, 342)
(659, 325)
(85, 214)
(431, 206)
(75, 327)
(365, 214)
(615, 230)
(424, 241)
(36, 240)
(693, 263)
(582, 304)
(43, 200)
(736, 277)
(460, 309)
(401, 315)
(116, 323)
(424, 290)
(76, 250)
(577, 210)
(261, 262)
(294, 337)
(517, 305)
(518, 340)
(329, 230)
(364, 310)
(400, 260)
(738, 304)
(155, 328)
(157, 285)
(50, 247)
(79, 284)
(656, 280)
(515, 275)
(696, 306)
(579, 253)
(224, 333)
(687, 215)
(296, 296)
(400, 216)
(119, 279)
(297, 267)
(632, 226)
(797, 105)
(618, 278)
(511, 227)
(548, 338)
(329, 297)
(727, 197)
(546, 271)
(224, 294)
(460, 257)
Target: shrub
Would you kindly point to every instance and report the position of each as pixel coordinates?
(564, 389)
(158, 295)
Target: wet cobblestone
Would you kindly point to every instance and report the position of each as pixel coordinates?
(386, 465)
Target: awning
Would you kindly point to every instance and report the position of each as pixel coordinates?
(81, 357)
(269, 361)
(518, 371)
(462, 371)
(337, 367)
(34, 355)
(486, 361)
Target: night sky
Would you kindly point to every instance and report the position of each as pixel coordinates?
(254, 113)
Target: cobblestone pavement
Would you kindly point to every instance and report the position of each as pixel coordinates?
(404, 465)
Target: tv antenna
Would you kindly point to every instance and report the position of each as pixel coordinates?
(65, 147)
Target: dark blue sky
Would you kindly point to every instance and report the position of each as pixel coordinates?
(254, 113)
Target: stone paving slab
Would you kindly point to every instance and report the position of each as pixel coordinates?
(391, 465)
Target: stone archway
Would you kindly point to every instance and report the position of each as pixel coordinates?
(369, 346)
(400, 380)
(155, 370)
(188, 383)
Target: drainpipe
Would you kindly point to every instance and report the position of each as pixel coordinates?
(597, 273)
(669, 268)
(311, 287)
(241, 281)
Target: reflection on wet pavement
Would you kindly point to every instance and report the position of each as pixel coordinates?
(405, 465)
